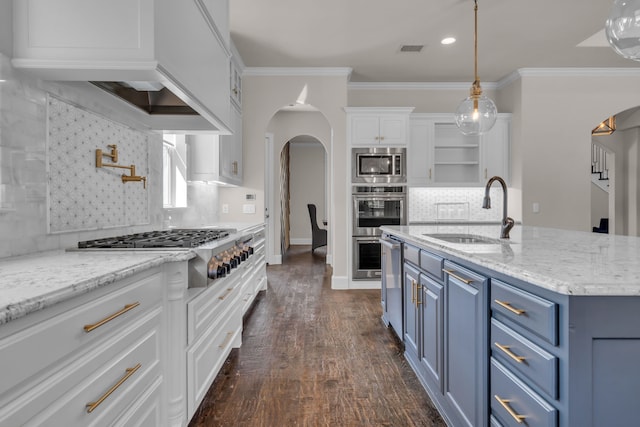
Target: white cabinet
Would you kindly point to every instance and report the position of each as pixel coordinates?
(235, 87)
(230, 162)
(91, 361)
(216, 158)
(440, 155)
(377, 126)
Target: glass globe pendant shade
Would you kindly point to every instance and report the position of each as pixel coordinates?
(476, 115)
(622, 28)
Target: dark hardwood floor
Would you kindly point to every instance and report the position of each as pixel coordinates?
(312, 356)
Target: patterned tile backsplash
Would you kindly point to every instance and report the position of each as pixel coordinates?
(51, 194)
(81, 196)
(453, 205)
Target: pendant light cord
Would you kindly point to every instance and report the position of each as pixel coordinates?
(475, 88)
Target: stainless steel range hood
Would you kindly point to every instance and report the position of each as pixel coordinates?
(150, 97)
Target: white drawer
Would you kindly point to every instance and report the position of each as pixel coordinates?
(210, 306)
(207, 355)
(64, 335)
(61, 397)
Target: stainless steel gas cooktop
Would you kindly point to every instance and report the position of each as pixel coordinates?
(174, 238)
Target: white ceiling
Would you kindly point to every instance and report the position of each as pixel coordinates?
(366, 35)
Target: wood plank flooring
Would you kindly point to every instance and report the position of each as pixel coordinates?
(312, 356)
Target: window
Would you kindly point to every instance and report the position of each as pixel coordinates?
(174, 170)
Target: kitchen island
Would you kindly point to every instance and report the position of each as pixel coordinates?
(543, 328)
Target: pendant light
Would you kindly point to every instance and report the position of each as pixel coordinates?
(607, 127)
(623, 28)
(476, 114)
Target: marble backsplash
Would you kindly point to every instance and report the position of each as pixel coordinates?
(24, 209)
(453, 205)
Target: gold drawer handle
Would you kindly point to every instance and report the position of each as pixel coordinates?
(507, 305)
(453, 274)
(128, 307)
(130, 371)
(226, 340)
(514, 414)
(226, 294)
(506, 349)
(413, 291)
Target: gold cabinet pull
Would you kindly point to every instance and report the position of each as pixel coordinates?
(453, 274)
(508, 352)
(429, 173)
(507, 305)
(505, 404)
(226, 294)
(418, 289)
(413, 291)
(226, 340)
(129, 371)
(128, 307)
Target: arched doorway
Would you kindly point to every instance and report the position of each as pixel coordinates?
(616, 156)
(303, 178)
(307, 134)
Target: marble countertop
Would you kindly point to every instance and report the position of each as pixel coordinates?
(32, 282)
(563, 261)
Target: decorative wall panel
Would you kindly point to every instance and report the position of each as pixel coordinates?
(453, 205)
(81, 196)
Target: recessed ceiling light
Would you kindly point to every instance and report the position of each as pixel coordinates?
(448, 40)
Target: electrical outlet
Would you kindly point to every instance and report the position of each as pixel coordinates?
(225, 208)
(536, 207)
(249, 208)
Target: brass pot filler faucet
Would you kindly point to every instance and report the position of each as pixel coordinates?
(114, 158)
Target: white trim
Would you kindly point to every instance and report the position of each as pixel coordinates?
(416, 85)
(339, 282)
(276, 260)
(304, 241)
(365, 284)
(297, 71)
(568, 72)
(379, 110)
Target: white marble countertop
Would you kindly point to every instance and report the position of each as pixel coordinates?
(563, 261)
(32, 282)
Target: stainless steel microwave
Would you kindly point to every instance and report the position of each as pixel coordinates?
(378, 165)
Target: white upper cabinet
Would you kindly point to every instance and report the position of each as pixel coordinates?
(184, 45)
(440, 155)
(377, 126)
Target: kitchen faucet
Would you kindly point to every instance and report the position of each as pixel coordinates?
(507, 223)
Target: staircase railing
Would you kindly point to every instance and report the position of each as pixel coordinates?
(599, 169)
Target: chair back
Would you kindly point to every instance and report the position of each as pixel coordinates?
(312, 216)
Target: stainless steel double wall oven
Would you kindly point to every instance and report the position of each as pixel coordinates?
(379, 194)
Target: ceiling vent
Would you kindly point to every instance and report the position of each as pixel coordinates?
(411, 48)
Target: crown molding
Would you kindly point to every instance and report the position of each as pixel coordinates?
(568, 72)
(297, 71)
(416, 85)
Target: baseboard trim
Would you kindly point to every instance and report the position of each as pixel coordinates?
(365, 284)
(339, 282)
(302, 241)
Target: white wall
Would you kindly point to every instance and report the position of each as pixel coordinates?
(264, 96)
(6, 28)
(307, 178)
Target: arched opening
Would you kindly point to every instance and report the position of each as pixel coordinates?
(303, 178)
(615, 177)
(297, 165)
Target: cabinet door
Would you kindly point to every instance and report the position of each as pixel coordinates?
(420, 152)
(393, 129)
(365, 130)
(432, 341)
(466, 364)
(231, 152)
(411, 283)
(495, 150)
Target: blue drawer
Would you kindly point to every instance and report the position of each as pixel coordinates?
(536, 314)
(524, 357)
(432, 264)
(510, 399)
(412, 254)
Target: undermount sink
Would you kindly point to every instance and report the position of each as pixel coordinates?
(467, 239)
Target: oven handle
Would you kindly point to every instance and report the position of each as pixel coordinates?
(379, 197)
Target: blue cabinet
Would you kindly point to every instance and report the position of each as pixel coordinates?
(411, 285)
(466, 373)
(432, 337)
